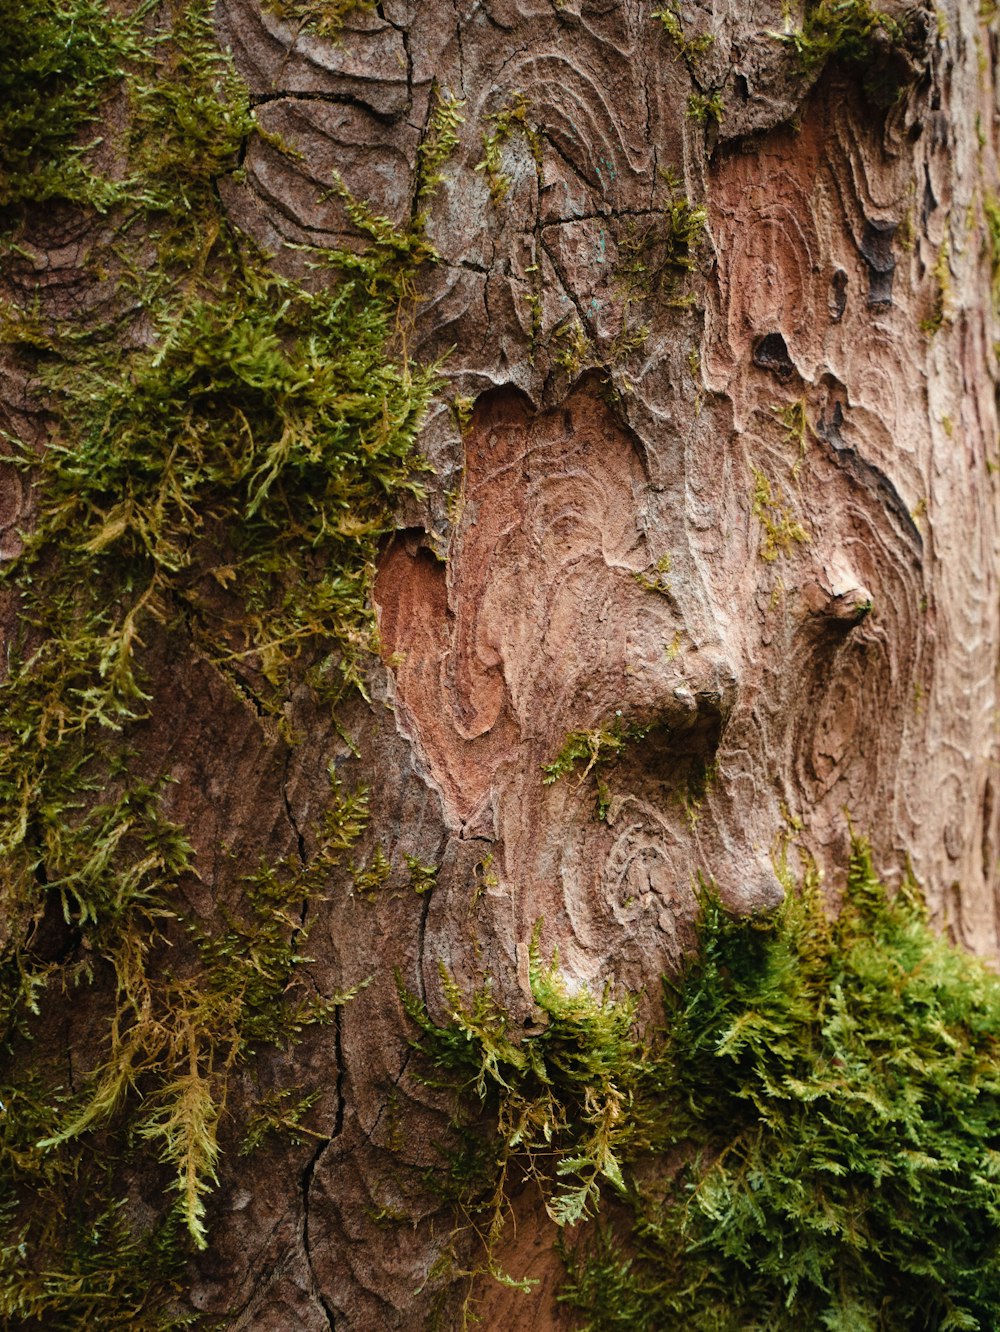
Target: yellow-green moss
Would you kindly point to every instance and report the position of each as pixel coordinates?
(215, 481)
(780, 532)
(810, 1139)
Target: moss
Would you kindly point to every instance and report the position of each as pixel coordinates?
(794, 418)
(862, 37)
(324, 17)
(700, 781)
(808, 1140)
(939, 314)
(703, 107)
(573, 348)
(439, 142)
(512, 121)
(422, 877)
(658, 257)
(991, 211)
(223, 457)
(559, 1101)
(780, 531)
(591, 748)
(661, 582)
(59, 59)
(688, 47)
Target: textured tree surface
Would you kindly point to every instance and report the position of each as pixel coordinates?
(727, 495)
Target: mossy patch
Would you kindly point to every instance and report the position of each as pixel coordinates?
(809, 1140)
(780, 532)
(222, 455)
(59, 59)
(324, 17)
(887, 52)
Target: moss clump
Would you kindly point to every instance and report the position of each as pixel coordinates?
(58, 60)
(840, 29)
(590, 748)
(439, 142)
(811, 1140)
(780, 531)
(559, 1102)
(942, 291)
(222, 457)
(513, 120)
(991, 211)
(324, 17)
(657, 257)
(888, 52)
(688, 47)
(705, 107)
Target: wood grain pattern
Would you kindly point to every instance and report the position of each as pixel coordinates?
(523, 600)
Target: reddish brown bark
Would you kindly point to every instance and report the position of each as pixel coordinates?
(523, 600)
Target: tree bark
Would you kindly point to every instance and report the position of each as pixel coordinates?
(715, 489)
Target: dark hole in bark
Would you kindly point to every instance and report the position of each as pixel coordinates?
(771, 354)
(877, 251)
(838, 295)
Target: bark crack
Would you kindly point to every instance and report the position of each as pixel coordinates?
(307, 1179)
(309, 1172)
(332, 98)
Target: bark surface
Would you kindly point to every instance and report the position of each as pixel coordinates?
(732, 498)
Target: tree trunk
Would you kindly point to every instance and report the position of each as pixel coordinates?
(705, 565)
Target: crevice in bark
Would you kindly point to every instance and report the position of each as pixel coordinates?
(310, 1169)
(300, 841)
(338, 1050)
(307, 1179)
(331, 98)
(568, 289)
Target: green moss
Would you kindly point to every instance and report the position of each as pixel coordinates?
(794, 417)
(703, 107)
(506, 124)
(573, 348)
(861, 36)
(942, 291)
(660, 582)
(591, 748)
(558, 1102)
(659, 256)
(439, 142)
(422, 877)
(839, 29)
(59, 59)
(222, 459)
(324, 17)
(689, 47)
(991, 211)
(780, 531)
(809, 1140)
